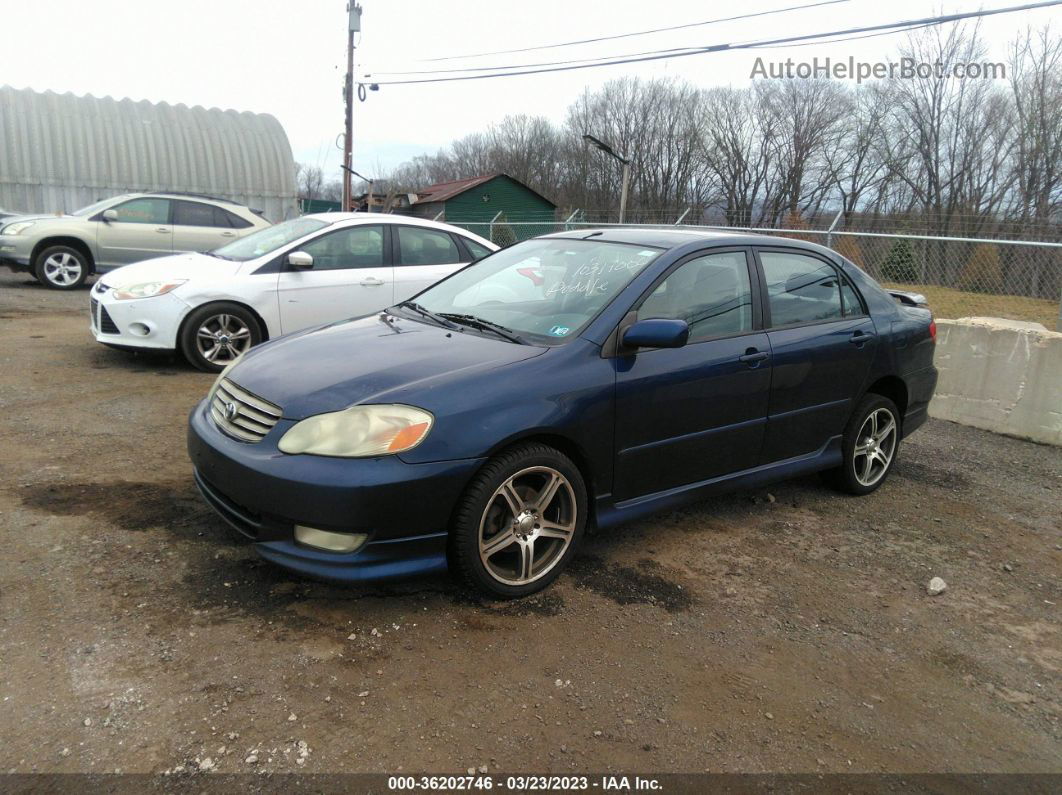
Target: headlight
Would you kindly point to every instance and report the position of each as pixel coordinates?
(16, 228)
(359, 432)
(147, 289)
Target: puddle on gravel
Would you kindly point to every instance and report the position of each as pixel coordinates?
(174, 507)
(930, 475)
(626, 585)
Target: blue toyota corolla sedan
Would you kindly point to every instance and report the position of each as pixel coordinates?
(588, 376)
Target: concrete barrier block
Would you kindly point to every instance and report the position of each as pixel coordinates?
(1000, 375)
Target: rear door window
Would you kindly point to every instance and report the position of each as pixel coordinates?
(426, 247)
(195, 214)
(800, 289)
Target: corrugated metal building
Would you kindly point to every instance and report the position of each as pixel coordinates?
(59, 152)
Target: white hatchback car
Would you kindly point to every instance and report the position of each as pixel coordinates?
(304, 272)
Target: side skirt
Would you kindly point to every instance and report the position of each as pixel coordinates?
(609, 514)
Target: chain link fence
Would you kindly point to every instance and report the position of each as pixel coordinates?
(961, 276)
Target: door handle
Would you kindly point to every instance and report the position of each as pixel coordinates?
(861, 337)
(753, 357)
(163, 230)
(371, 281)
(228, 234)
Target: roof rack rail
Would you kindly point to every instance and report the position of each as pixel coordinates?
(191, 196)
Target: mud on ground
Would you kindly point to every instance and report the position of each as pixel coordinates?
(784, 629)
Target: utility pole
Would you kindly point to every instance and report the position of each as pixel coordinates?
(353, 26)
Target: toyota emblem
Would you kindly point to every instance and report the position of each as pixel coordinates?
(231, 411)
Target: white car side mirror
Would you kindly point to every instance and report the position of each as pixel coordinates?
(300, 260)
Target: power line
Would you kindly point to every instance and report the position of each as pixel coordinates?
(896, 27)
(630, 35)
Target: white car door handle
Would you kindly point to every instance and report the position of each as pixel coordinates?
(163, 230)
(371, 281)
(228, 234)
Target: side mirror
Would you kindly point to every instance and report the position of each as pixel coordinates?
(300, 260)
(657, 333)
(110, 215)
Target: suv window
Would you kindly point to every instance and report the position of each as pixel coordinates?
(353, 247)
(800, 289)
(712, 293)
(144, 211)
(425, 247)
(196, 214)
(230, 219)
(475, 249)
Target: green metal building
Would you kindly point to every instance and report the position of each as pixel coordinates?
(494, 206)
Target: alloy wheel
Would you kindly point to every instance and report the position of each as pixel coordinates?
(62, 269)
(222, 338)
(527, 526)
(875, 446)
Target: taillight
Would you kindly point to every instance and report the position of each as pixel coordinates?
(933, 330)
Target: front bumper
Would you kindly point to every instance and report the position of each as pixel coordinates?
(15, 251)
(404, 508)
(147, 323)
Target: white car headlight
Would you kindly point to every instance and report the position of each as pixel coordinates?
(359, 432)
(17, 228)
(147, 289)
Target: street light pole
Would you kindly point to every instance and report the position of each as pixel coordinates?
(608, 150)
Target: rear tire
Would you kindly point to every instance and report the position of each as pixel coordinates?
(217, 334)
(870, 444)
(519, 522)
(61, 268)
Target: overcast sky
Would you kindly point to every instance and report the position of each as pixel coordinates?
(287, 58)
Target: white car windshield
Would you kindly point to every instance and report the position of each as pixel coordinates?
(269, 239)
(543, 291)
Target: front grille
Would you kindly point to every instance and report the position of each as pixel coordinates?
(240, 414)
(94, 307)
(106, 324)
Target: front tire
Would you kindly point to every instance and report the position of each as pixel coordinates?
(869, 446)
(61, 268)
(218, 334)
(519, 522)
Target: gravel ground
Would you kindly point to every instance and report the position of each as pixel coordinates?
(785, 629)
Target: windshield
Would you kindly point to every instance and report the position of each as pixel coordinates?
(546, 290)
(95, 207)
(269, 239)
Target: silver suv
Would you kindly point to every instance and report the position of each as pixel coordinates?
(62, 250)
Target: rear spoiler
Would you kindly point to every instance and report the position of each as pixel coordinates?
(909, 299)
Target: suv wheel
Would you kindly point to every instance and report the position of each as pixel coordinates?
(520, 521)
(218, 334)
(61, 268)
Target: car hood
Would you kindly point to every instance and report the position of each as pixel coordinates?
(11, 219)
(176, 266)
(374, 359)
